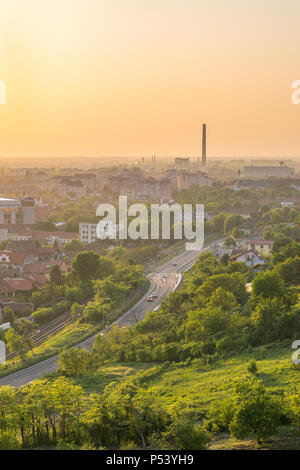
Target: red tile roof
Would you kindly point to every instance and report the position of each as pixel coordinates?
(261, 242)
(14, 285)
(38, 279)
(16, 258)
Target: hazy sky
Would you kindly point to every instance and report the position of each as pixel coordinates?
(138, 77)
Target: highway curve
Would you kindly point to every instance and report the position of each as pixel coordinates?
(162, 286)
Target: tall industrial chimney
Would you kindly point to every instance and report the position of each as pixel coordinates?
(203, 162)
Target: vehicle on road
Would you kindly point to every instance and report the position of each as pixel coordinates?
(174, 264)
(154, 295)
(149, 298)
(165, 275)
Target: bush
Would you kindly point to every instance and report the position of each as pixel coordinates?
(252, 367)
(46, 314)
(43, 315)
(74, 294)
(220, 416)
(9, 441)
(38, 299)
(62, 307)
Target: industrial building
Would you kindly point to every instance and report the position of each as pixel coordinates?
(17, 211)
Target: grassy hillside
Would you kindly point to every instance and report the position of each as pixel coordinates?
(199, 385)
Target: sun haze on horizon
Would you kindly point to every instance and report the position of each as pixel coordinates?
(138, 77)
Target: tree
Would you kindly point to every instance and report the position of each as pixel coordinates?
(88, 265)
(293, 406)
(46, 225)
(256, 413)
(234, 283)
(14, 341)
(8, 440)
(289, 270)
(267, 318)
(74, 245)
(7, 406)
(96, 311)
(38, 299)
(56, 277)
(232, 221)
(220, 416)
(222, 298)
(8, 315)
(74, 294)
(267, 284)
(184, 434)
(73, 362)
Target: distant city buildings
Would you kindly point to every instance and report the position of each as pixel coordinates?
(182, 163)
(182, 179)
(265, 172)
(17, 211)
(73, 189)
(187, 179)
(136, 186)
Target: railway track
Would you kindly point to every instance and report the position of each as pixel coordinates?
(53, 327)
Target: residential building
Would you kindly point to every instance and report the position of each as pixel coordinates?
(249, 257)
(16, 259)
(187, 179)
(264, 172)
(287, 204)
(12, 287)
(139, 187)
(73, 189)
(88, 232)
(261, 246)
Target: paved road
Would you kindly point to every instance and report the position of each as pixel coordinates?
(162, 286)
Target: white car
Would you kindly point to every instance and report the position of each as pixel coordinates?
(165, 275)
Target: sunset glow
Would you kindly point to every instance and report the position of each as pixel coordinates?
(138, 77)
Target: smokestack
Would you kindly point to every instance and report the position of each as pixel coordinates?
(203, 162)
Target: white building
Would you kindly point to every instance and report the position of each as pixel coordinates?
(88, 232)
(287, 204)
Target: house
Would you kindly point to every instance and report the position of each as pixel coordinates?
(51, 238)
(249, 257)
(257, 268)
(287, 204)
(261, 246)
(20, 245)
(223, 250)
(38, 279)
(12, 287)
(47, 254)
(15, 259)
